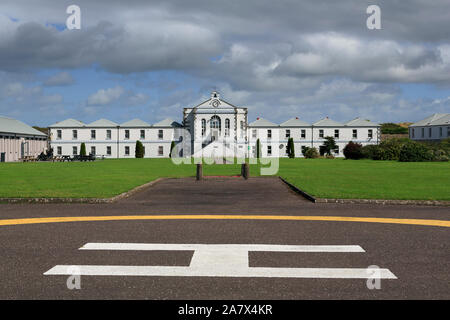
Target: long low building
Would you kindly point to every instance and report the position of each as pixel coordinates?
(433, 128)
(211, 124)
(18, 140)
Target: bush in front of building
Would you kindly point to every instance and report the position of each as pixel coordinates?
(291, 151)
(172, 148)
(82, 149)
(353, 151)
(329, 144)
(310, 153)
(139, 150)
(371, 151)
(416, 152)
(390, 149)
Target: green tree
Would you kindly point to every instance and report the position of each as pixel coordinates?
(139, 150)
(258, 149)
(329, 144)
(172, 147)
(83, 149)
(290, 150)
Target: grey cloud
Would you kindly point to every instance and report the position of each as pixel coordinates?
(59, 79)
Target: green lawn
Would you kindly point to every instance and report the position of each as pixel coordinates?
(326, 178)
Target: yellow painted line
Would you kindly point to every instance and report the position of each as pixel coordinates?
(420, 222)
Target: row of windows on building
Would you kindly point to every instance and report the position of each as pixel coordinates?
(108, 134)
(93, 150)
(422, 132)
(216, 124)
(321, 133)
(269, 150)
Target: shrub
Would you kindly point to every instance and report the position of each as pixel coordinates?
(83, 149)
(329, 156)
(390, 149)
(370, 151)
(353, 151)
(291, 151)
(258, 149)
(172, 148)
(415, 152)
(311, 153)
(139, 150)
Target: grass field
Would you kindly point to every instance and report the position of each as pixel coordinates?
(325, 178)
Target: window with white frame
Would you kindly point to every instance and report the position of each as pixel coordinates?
(423, 132)
(93, 134)
(269, 134)
(303, 134)
(336, 133)
(108, 150)
(58, 134)
(74, 151)
(440, 132)
(127, 134)
(288, 133)
(370, 133)
(93, 150)
(59, 150)
(160, 151)
(242, 129)
(429, 132)
(269, 150)
(355, 134)
(143, 134)
(108, 134)
(74, 134)
(127, 150)
(227, 127)
(160, 134)
(321, 133)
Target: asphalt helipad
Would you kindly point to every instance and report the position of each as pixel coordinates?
(261, 240)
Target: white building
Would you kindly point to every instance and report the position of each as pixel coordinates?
(433, 128)
(214, 127)
(18, 140)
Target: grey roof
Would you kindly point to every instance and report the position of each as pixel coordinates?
(358, 122)
(102, 123)
(135, 123)
(326, 122)
(167, 123)
(434, 119)
(295, 122)
(68, 123)
(442, 120)
(9, 125)
(260, 122)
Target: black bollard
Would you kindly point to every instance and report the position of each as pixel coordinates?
(199, 175)
(245, 170)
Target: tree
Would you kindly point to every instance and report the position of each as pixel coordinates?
(139, 150)
(329, 144)
(353, 151)
(258, 149)
(172, 147)
(83, 149)
(290, 148)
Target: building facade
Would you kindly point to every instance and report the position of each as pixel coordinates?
(18, 140)
(433, 128)
(215, 127)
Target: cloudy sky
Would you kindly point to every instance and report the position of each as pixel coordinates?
(149, 59)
